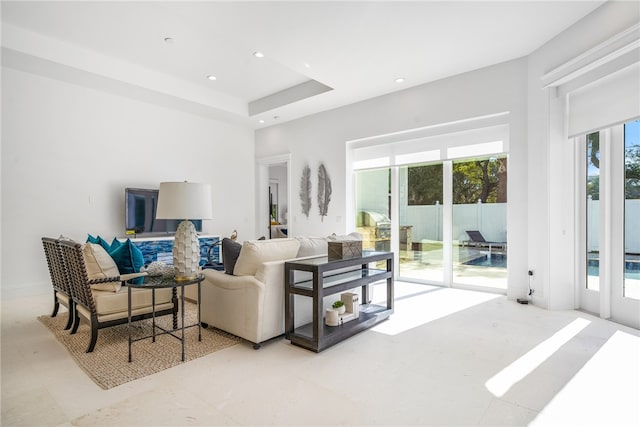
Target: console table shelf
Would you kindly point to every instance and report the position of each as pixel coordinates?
(330, 278)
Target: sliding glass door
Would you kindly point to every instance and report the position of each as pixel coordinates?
(631, 283)
(592, 185)
(373, 208)
(610, 217)
(480, 222)
(451, 223)
(421, 223)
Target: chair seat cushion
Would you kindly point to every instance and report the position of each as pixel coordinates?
(117, 302)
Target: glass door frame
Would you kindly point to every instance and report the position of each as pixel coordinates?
(608, 301)
(447, 225)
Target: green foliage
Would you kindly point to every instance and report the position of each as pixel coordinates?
(473, 180)
(632, 172)
(338, 304)
(425, 184)
(631, 169)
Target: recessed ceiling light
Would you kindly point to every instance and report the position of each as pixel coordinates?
(258, 54)
(307, 65)
(399, 80)
(260, 121)
(169, 40)
(211, 77)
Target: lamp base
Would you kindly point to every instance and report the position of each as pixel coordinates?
(186, 251)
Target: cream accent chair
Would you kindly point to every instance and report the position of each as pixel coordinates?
(97, 293)
(250, 303)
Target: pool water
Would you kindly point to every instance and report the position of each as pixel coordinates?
(493, 260)
(631, 269)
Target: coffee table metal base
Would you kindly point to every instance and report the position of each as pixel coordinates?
(150, 284)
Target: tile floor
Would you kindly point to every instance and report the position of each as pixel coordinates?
(446, 357)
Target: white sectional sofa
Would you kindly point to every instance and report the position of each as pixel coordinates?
(250, 303)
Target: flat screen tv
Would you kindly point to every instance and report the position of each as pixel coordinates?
(140, 213)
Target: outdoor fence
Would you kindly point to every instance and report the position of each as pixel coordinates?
(491, 220)
(632, 226)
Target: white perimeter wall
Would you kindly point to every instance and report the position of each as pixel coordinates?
(551, 187)
(322, 138)
(68, 152)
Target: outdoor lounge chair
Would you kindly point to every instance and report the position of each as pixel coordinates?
(477, 239)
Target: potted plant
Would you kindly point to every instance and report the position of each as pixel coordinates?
(339, 307)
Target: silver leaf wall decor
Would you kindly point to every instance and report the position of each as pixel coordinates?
(305, 190)
(324, 191)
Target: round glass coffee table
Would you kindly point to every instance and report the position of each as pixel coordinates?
(162, 282)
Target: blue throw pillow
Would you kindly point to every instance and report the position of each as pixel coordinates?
(100, 241)
(115, 244)
(128, 258)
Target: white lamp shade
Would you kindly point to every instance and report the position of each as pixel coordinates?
(184, 200)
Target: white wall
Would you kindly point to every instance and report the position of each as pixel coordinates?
(68, 152)
(551, 188)
(322, 138)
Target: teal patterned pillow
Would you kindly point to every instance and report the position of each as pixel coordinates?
(128, 258)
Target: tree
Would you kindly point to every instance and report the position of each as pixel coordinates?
(484, 180)
(632, 172)
(474, 180)
(424, 184)
(593, 161)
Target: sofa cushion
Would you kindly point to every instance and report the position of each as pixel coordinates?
(310, 246)
(128, 258)
(351, 236)
(100, 265)
(255, 252)
(230, 252)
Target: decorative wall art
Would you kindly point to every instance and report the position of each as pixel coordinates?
(324, 191)
(305, 190)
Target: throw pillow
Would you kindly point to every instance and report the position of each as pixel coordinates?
(310, 246)
(100, 241)
(115, 244)
(351, 236)
(230, 252)
(128, 258)
(254, 253)
(100, 266)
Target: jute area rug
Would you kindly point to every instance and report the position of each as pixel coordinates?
(108, 365)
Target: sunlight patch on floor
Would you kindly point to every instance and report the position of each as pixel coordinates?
(606, 391)
(422, 308)
(500, 383)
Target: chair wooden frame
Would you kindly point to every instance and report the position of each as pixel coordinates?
(59, 279)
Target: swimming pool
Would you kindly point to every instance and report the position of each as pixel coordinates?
(631, 269)
(493, 260)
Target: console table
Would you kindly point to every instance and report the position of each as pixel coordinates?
(325, 278)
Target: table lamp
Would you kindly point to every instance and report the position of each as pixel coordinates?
(186, 201)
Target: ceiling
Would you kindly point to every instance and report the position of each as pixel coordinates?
(317, 55)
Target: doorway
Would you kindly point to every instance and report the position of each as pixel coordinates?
(608, 201)
(452, 220)
(273, 197)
